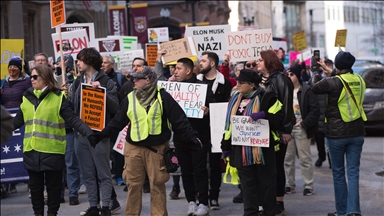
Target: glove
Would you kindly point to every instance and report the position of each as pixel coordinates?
(226, 154)
(258, 115)
(226, 144)
(95, 138)
(197, 143)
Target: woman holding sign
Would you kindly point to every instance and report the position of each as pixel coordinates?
(256, 165)
(43, 111)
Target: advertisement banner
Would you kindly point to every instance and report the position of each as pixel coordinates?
(117, 20)
(77, 39)
(139, 17)
(9, 49)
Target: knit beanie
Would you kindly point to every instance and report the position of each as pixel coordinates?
(16, 61)
(296, 69)
(344, 60)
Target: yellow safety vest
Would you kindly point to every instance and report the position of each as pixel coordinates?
(143, 123)
(347, 107)
(44, 127)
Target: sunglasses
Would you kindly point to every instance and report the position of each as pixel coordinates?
(35, 77)
(249, 64)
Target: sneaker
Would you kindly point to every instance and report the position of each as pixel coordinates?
(214, 205)
(91, 211)
(74, 201)
(114, 205)
(12, 189)
(120, 181)
(105, 211)
(174, 193)
(238, 198)
(319, 162)
(82, 189)
(192, 208)
(332, 214)
(289, 190)
(279, 209)
(202, 210)
(261, 211)
(353, 214)
(308, 192)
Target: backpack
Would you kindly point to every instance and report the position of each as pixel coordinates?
(119, 78)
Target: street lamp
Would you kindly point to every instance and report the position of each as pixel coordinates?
(193, 10)
(248, 21)
(165, 13)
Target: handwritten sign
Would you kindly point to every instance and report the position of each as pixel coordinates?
(126, 59)
(299, 41)
(78, 40)
(247, 132)
(341, 37)
(247, 45)
(190, 96)
(57, 9)
(120, 141)
(158, 34)
(209, 38)
(181, 48)
(151, 54)
(218, 112)
(93, 107)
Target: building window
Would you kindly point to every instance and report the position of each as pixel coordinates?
(338, 13)
(329, 13)
(333, 13)
(351, 14)
(322, 41)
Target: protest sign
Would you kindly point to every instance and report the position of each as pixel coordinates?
(151, 54)
(209, 38)
(93, 107)
(190, 96)
(12, 166)
(341, 37)
(246, 45)
(126, 59)
(129, 42)
(299, 41)
(78, 40)
(158, 34)
(110, 46)
(89, 28)
(120, 141)
(57, 10)
(218, 112)
(9, 49)
(181, 48)
(246, 132)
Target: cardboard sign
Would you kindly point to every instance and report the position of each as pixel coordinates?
(129, 42)
(247, 132)
(181, 48)
(299, 41)
(120, 141)
(9, 49)
(89, 28)
(158, 34)
(57, 9)
(151, 54)
(93, 107)
(109, 46)
(78, 40)
(190, 96)
(217, 114)
(209, 38)
(246, 45)
(341, 37)
(126, 59)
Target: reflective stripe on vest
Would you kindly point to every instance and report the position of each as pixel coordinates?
(44, 127)
(347, 107)
(143, 123)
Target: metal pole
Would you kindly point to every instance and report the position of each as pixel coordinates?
(193, 13)
(128, 16)
(311, 28)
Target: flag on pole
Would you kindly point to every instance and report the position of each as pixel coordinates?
(87, 4)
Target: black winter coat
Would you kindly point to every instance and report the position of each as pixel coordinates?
(309, 108)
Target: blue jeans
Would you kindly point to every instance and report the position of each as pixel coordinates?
(73, 173)
(346, 196)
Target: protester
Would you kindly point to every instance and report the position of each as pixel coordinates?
(271, 67)
(256, 165)
(344, 131)
(96, 165)
(306, 109)
(147, 101)
(6, 125)
(43, 111)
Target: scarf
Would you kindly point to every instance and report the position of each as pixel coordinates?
(146, 94)
(250, 155)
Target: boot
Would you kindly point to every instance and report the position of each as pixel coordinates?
(175, 192)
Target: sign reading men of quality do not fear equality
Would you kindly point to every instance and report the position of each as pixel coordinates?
(247, 45)
(190, 96)
(247, 132)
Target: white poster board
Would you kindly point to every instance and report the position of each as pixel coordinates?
(78, 40)
(190, 96)
(129, 42)
(109, 46)
(120, 141)
(209, 38)
(246, 132)
(217, 114)
(126, 59)
(89, 28)
(158, 34)
(247, 45)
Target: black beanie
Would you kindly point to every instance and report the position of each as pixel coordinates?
(16, 61)
(296, 69)
(344, 60)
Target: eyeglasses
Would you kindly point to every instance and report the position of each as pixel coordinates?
(249, 64)
(35, 77)
(41, 60)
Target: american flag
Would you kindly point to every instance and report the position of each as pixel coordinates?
(87, 4)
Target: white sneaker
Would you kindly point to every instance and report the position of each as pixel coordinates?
(202, 210)
(82, 189)
(192, 208)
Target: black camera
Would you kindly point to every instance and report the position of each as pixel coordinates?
(315, 67)
(66, 46)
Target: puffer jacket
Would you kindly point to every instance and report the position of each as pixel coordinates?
(335, 127)
(12, 96)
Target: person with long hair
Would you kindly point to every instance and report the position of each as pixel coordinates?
(44, 111)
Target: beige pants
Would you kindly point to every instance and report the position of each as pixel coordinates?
(138, 160)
